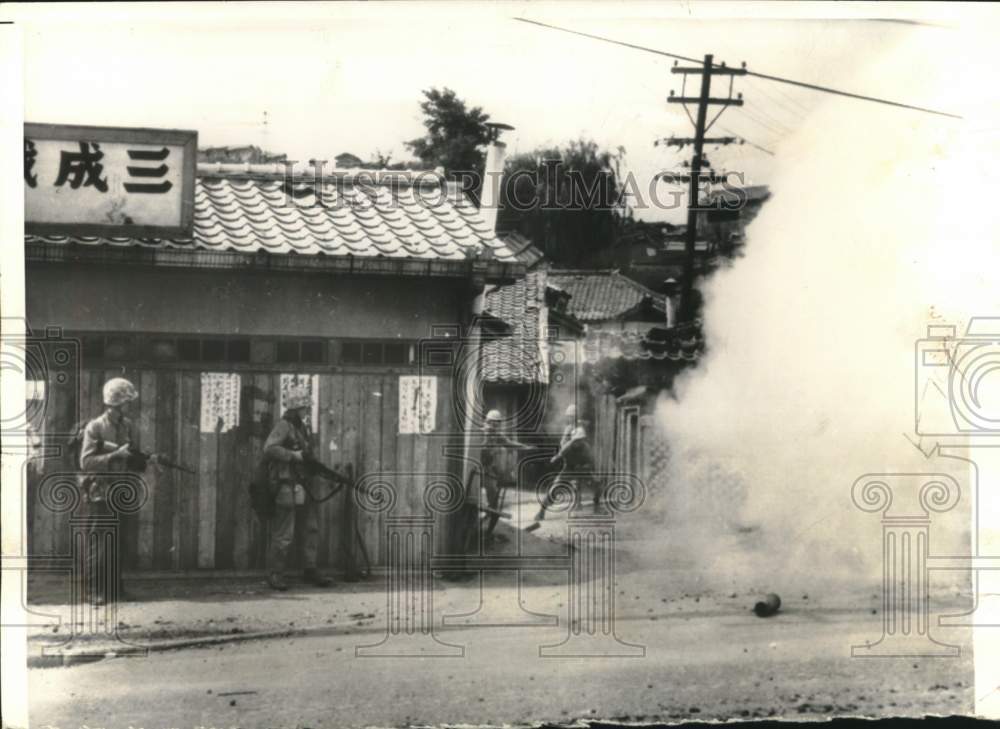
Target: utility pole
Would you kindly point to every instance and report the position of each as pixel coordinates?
(704, 100)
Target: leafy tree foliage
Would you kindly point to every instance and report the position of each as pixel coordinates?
(454, 135)
(568, 200)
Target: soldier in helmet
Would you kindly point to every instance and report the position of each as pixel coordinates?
(495, 461)
(576, 457)
(491, 473)
(98, 456)
(288, 445)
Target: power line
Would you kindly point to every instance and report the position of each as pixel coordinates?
(761, 122)
(799, 116)
(752, 144)
(792, 100)
(771, 118)
(768, 77)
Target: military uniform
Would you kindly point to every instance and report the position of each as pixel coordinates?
(497, 470)
(492, 471)
(289, 483)
(101, 569)
(577, 463)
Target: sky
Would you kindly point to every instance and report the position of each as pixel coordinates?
(314, 81)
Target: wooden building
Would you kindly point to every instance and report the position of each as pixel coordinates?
(338, 286)
(596, 339)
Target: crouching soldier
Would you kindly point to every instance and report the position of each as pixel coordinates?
(287, 448)
(107, 447)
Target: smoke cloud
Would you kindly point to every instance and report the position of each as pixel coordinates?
(881, 221)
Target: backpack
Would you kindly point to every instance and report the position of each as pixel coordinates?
(74, 444)
(261, 494)
(262, 490)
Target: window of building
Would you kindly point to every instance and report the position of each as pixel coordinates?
(396, 353)
(119, 348)
(238, 350)
(287, 351)
(213, 350)
(311, 352)
(180, 350)
(93, 348)
(189, 349)
(307, 351)
(350, 353)
(376, 353)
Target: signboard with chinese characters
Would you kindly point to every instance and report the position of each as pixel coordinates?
(109, 181)
(417, 404)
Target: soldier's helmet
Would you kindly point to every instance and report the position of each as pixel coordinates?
(297, 397)
(118, 391)
(493, 416)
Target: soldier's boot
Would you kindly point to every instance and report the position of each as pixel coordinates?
(313, 577)
(276, 582)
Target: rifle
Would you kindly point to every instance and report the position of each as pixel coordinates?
(314, 467)
(139, 459)
(494, 512)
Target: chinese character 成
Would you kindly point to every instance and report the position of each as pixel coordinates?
(82, 168)
(148, 172)
(29, 163)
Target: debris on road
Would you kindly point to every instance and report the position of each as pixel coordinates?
(768, 606)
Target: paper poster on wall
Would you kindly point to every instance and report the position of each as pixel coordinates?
(220, 401)
(417, 404)
(311, 384)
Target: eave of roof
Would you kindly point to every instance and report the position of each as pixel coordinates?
(250, 216)
(492, 271)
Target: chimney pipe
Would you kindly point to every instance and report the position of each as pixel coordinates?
(496, 155)
(671, 302)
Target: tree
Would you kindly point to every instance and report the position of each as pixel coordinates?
(569, 201)
(454, 136)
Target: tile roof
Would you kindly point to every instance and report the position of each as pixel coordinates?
(523, 248)
(657, 344)
(364, 215)
(602, 295)
(517, 358)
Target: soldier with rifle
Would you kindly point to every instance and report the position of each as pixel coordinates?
(291, 467)
(109, 444)
(577, 462)
(492, 473)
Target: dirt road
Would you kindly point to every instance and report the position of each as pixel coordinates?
(698, 664)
